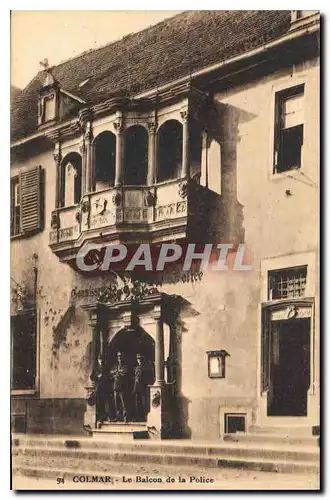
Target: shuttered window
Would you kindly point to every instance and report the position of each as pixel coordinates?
(27, 202)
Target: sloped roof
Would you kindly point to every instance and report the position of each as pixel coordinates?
(155, 56)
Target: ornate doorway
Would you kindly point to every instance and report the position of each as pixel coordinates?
(134, 365)
(137, 353)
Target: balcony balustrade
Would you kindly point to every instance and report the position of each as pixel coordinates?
(172, 210)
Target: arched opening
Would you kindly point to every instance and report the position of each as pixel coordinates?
(104, 160)
(136, 156)
(169, 151)
(130, 342)
(71, 175)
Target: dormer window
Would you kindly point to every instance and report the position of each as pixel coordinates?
(48, 99)
(55, 102)
(49, 108)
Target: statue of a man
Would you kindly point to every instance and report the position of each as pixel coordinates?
(143, 376)
(119, 375)
(103, 392)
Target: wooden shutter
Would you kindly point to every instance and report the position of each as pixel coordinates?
(30, 184)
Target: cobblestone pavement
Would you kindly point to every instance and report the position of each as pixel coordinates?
(128, 476)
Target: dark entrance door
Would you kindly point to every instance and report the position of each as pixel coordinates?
(290, 367)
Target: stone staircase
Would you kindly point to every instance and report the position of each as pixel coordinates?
(283, 451)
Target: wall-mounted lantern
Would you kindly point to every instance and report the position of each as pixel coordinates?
(217, 363)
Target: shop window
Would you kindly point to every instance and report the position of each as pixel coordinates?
(105, 160)
(23, 342)
(289, 129)
(287, 283)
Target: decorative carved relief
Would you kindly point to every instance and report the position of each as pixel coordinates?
(85, 205)
(155, 401)
(78, 215)
(183, 189)
(58, 158)
(131, 290)
(118, 125)
(152, 126)
(55, 221)
(184, 115)
(117, 198)
(149, 198)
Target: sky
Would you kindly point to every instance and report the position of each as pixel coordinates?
(60, 35)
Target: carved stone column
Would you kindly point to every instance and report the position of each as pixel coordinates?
(185, 143)
(160, 416)
(118, 125)
(152, 153)
(89, 157)
(90, 412)
(159, 351)
(82, 150)
(58, 174)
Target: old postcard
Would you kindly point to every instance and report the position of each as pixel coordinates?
(165, 250)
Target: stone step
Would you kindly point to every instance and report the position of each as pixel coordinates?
(277, 439)
(87, 461)
(204, 456)
(121, 431)
(231, 444)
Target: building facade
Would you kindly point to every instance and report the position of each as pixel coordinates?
(201, 129)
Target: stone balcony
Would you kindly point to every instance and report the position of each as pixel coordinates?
(172, 210)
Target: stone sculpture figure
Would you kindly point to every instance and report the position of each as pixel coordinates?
(143, 376)
(119, 376)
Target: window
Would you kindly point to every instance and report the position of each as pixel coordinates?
(23, 341)
(105, 160)
(15, 226)
(26, 202)
(169, 151)
(289, 129)
(217, 363)
(235, 422)
(71, 169)
(136, 156)
(49, 108)
(287, 283)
